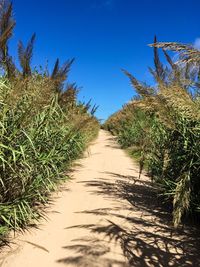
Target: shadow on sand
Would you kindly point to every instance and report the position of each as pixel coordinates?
(140, 224)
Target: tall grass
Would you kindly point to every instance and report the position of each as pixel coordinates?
(43, 128)
(163, 123)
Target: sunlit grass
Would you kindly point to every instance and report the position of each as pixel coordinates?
(163, 124)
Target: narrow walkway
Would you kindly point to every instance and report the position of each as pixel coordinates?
(105, 218)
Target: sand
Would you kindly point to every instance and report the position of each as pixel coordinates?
(104, 217)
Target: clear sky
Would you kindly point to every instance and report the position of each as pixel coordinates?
(103, 36)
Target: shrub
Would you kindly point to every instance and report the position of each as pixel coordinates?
(166, 128)
(43, 129)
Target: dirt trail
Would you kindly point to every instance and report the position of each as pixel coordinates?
(106, 218)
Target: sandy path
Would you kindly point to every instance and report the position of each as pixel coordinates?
(107, 218)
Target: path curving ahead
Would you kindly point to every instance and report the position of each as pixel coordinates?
(106, 218)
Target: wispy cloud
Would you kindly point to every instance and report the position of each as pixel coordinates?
(103, 4)
(197, 43)
(108, 3)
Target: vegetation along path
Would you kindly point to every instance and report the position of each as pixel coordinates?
(107, 217)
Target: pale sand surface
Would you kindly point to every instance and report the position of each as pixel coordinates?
(105, 218)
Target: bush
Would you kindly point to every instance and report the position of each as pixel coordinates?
(164, 124)
(43, 129)
(35, 148)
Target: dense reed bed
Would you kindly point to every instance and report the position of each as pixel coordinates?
(43, 128)
(161, 128)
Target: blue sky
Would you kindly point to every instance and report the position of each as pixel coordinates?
(104, 36)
